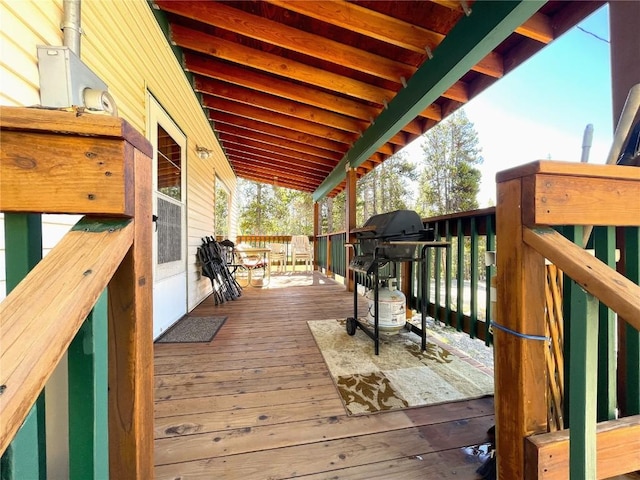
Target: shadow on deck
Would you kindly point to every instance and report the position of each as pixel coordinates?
(258, 401)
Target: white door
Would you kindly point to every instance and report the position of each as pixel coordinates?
(169, 200)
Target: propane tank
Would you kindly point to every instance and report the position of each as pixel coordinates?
(391, 308)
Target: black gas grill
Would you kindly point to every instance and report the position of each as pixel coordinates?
(391, 236)
(388, 239)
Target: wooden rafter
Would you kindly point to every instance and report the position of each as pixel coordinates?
(308, 79)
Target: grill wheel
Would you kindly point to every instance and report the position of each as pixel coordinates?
(351, 326)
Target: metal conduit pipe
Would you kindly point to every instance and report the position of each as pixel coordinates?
(71, 25)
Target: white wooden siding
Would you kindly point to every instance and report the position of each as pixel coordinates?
(123, 44)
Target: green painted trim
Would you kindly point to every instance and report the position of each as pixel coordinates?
(572, 294)
(583, 387)
(460, 278)
(448, 262)
(604, 239)
(26, 456)
(88, 403)
(91, 224)
(490, 271)
(438, 278)
(632, 343)
(473, 328)
(23, 246)
(426, 288)
(470, 40)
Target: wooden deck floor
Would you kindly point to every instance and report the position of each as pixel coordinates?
(258, 402)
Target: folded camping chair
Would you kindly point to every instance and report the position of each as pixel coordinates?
(214, 266)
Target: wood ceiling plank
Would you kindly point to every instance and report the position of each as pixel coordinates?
(271, 32)
(279, 105)
(268, 150)
(325, 134)
(276, 141)
(414, 126)
(538, 27)
(287, 164)
(381, 27)
(479, 34)
(366, 22)
(281, 182)
(432, 112)
(276, 65)
(276, 86)
(268, 62)
(283, 131)
(266, 169)
(272, 170)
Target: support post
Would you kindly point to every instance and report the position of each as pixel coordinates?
(351, 223)
(520, 377)
(131, 341)
(316, 232)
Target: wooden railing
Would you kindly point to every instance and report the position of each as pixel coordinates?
(264, 241)
(471, 235)
(531, 199)
(68, 162)
(462, 298)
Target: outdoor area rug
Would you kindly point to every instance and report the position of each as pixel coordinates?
(192, 330)
(401, 376)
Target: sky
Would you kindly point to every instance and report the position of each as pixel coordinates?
(540, 110)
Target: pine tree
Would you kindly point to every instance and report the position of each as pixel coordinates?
(449, 180)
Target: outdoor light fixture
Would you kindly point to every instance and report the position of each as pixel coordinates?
(203, 153)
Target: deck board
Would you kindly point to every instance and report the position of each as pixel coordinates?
(258, 402)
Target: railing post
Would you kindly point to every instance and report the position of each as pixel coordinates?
(88, 399)
(460, 276)
(473, 328)
(490, 270)
(630, 337)
(23, 243)
(582, 385)
(131, 341)
(605, 249)
(520, 378)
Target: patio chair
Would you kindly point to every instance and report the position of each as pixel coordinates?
(278, 255)
(301, 250)
(252, 266)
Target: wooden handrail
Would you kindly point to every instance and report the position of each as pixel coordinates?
(41, 316)
(614, 290)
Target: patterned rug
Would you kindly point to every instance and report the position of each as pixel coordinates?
(401, 376)
(192, 330)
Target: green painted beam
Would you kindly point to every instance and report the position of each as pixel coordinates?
(471, 39)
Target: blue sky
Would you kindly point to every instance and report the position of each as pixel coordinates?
(541, 109)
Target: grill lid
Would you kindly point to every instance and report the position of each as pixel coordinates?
(399, 224)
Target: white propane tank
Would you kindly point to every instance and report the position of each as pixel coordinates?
(392, 315)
